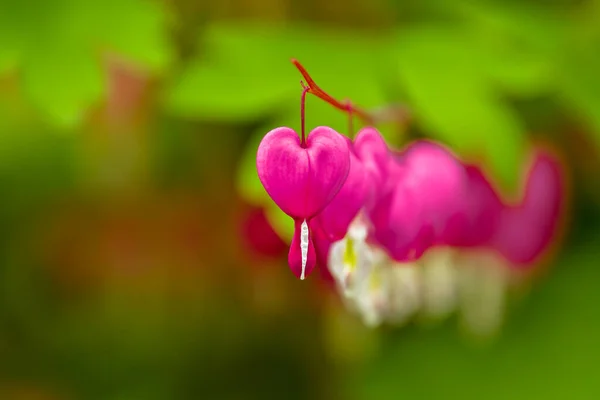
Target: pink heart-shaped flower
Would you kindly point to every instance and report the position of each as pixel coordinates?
(302, 180)
(335, 219)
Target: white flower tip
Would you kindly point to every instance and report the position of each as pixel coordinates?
(304, 247)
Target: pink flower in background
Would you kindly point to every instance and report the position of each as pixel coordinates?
(259, 236)
(427, 188)
(527, 229)
(478, 214)
(336, 217)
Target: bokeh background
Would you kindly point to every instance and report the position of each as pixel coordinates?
(135, 260)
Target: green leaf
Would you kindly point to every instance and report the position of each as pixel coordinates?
(224, 93)
(136, 29)
(246, 71)
(578, 84)
(453, 99)
(51, 87)
(248, 184)
(59, 45)
(516, 43)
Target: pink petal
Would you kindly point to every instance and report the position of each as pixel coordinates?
(527, 230)
(322, 245)
(377, 160)
(371, 149)
(337, 216)
(429, 186)
(438, 178)
(479, 214)
(399, 224)
(303, 180)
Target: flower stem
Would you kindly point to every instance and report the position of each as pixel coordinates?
(317, 91)
(303, 113)
(393, 113)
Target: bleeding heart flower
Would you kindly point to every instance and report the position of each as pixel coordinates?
(527, 229)
(335, 219)
(440, 180)
(377, 161)
(302, 177)
(429, 185)
(478, 216)
(371, 149)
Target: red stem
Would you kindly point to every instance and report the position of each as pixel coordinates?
(303, 112)
(317, 91)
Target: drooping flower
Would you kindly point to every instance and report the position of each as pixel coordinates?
(302, 177)
(526, 230)
(478, 215)
(492, 238)
(335, 218)
(428, 186)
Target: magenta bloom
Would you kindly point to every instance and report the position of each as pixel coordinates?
(302, 178)
(427, 190)
(478, 215)
(373, 152)
(335, 219)
(527, 229)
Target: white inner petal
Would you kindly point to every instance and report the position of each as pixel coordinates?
(439, 277)
(304, 246)
(484, 281)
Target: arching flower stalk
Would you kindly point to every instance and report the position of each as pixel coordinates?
(404, 232)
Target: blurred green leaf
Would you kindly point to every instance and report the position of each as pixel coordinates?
(60, 44)
(246, 70)
(248, 184)
(224, 93)
(454, 99)
(517, 43)
(578, 85)
(50, 85)
(137, 30)
(580, 90)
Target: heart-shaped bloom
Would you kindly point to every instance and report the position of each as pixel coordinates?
(302, 178)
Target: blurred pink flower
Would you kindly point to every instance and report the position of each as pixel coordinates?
(527, 229)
